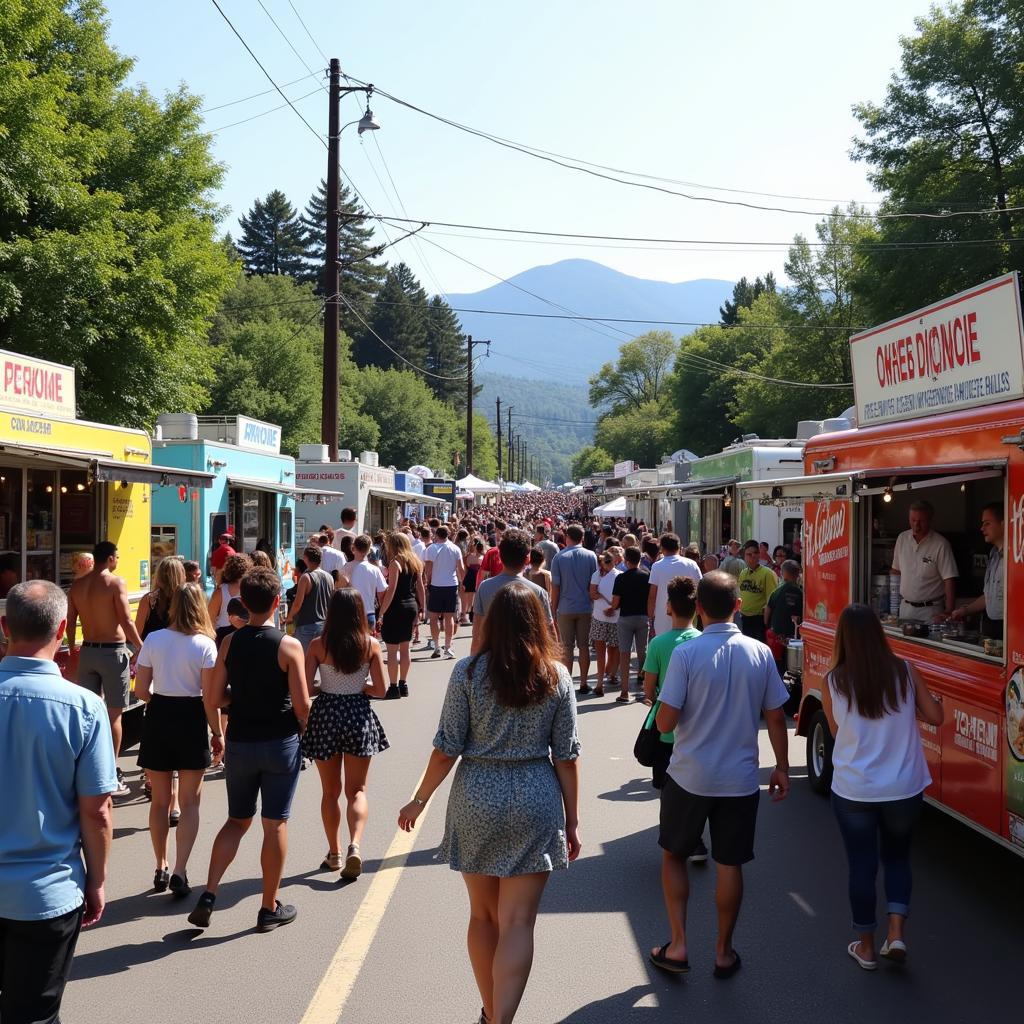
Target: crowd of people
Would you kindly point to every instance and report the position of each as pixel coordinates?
(256, 680)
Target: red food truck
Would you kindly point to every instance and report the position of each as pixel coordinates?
(940, 414)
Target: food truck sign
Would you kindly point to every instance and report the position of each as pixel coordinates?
(964, 351)
(37, 386)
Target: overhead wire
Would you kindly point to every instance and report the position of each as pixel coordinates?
(308, 33)
(255, 95)
(262, 113)
(291, 45)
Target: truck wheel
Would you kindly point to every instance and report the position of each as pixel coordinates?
(819, 754)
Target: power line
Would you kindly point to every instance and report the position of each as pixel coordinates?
(308, 33)
(298, 114)
(591, 171)
(291, 45)
(255, 95)
(263, 113)
(544, 233)
(418, 369)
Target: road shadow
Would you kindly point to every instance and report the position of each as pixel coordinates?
(633, 791)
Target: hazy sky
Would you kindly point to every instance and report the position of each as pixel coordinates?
(738, 95)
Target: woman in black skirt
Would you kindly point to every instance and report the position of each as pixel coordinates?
(399, 608)
(175, 667)
(343, 731)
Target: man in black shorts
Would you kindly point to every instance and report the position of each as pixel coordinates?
(716, 687)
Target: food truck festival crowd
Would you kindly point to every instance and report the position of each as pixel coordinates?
(899, 576)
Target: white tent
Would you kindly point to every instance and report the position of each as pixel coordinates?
(615, 507)
(477, 486)
(529, 487)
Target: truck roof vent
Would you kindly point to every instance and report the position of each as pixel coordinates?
(178, 426)
(312, 453)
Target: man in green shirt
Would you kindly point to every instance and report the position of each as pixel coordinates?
(757, 584)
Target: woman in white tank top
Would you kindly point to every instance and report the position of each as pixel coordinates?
(235, 567)
(873, 700)
(343, 731)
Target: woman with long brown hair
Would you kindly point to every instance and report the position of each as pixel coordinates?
(343, 732)
(175, 669)
(873, 700)
(513, 816)
(235, 567)
(399, 608)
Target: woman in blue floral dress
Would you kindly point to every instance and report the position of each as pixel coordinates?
(513, 816)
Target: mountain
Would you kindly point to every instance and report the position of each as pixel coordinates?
(571, 350)
(552, 415)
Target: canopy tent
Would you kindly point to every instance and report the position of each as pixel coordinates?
(476, 485)
(615, 507)
(465, 496)
(529, 487)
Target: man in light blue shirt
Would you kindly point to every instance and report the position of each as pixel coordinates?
(58, 771)
(571, 572)
(715, 690)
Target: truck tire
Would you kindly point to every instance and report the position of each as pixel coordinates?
(819, 754)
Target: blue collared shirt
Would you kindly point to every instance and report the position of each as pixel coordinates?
(55, 747)
(571, 570)
(720, 681)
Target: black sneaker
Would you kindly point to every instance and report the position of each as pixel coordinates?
(179, 886)
(268, 920)
(699, 855)
(393, 692)
(200, 917)
(122, 785)
(437, 653)
(160, 879)
(403, 688)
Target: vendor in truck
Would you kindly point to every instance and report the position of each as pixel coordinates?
(992, 602)
(923, 559)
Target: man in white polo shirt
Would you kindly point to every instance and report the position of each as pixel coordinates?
(923, 559)
(445, 571)
(664, 570)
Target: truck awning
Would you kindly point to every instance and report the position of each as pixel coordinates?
(409, 497)
(277, 487)
(110, 470)
(695, 490)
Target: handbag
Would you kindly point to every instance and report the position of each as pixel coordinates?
(648, 743)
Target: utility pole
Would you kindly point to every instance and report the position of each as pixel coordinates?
(469, 399)
(510, 460)
(498, 422)
(329, 419)
(519, 457)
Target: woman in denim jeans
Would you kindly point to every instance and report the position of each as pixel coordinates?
(873, 700)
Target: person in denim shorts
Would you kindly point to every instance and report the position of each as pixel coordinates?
(269, 707)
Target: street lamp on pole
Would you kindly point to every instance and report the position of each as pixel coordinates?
(332, 282)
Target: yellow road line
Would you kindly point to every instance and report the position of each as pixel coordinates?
(336, 986)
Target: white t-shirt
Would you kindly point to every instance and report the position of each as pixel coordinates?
(369, 581)
(923, 566)
(662, 573)
(419, 549)
(344, 531)
(877, 759)
(177, 661)
(445, 558)
(331, 559)
(604, 585)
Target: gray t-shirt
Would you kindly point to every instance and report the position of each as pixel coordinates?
(550, 549)
(486, 591)
(720, 681)
(571, 570)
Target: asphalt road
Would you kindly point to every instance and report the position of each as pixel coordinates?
(405, 960)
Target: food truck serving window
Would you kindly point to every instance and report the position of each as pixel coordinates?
(929, 527)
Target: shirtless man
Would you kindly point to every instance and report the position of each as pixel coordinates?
(103, 662)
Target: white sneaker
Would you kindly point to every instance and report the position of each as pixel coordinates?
(122, 786)
(448, 653)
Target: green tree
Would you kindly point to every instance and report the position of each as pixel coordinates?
(744, 295)
(638, 376)
(108, 257)
(360, 275)
(446, 354)
(272, 239)
(643, 434)
(399, 318)
(591, 459)
(267, 346)
(948, 137)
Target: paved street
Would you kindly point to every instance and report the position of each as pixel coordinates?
(405, 961)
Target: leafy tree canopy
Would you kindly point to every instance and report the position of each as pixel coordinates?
(638, 376)
(591, 459)
(744, 294)
(644, 434)
(108, 258)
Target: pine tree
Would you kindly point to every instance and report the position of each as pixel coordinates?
(361, 277)
(744, 295)
(399, 316)
(446, 353)
(272, 239)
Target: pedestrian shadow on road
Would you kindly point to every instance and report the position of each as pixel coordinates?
(634, 790)
(620, 1008)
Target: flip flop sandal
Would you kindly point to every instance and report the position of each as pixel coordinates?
(727, 972)
(666, 963)
(624, 699)
(867, 965)
(895, 951)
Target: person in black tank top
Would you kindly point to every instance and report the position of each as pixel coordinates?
(269, 706)
(399, 609)
(312, 597)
